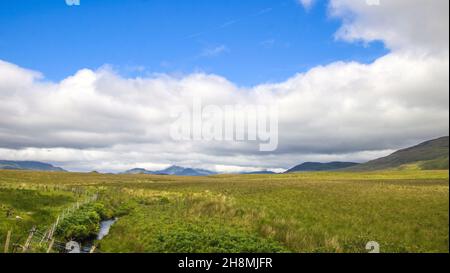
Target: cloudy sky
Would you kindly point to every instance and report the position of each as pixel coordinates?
(92, 86)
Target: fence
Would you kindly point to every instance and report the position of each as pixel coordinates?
(43, 239)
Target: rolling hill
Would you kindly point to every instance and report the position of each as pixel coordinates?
(316, 166)
(28, 165)
(429, 155)
(138, 171)
(173, 170)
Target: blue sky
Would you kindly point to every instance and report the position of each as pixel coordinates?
(248, 42)
(361, 101)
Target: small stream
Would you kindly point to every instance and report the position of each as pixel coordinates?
(105, 225)
(104, 228)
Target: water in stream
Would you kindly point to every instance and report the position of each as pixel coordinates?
(105, 225)
(104, 228)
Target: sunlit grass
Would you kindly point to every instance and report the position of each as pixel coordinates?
(403, 210)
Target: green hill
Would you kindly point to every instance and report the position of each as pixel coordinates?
(429, 155)
(317, 166)
(28, 165)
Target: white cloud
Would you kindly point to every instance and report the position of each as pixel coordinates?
(307, 4)
(215, 51)
(401, 24)
(339, 111)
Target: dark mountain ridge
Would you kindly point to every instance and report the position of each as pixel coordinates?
(28, 165)
(317, 166)
(173, 170)
(428, 155)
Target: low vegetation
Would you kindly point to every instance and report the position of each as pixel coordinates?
(404, 211)
(84, 223)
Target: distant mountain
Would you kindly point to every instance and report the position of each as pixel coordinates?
(138, 171)
(177, 170)
(316, 166)
(429, 155)
(28, 165)
(173, 170)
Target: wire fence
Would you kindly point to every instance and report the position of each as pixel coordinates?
(43, 239)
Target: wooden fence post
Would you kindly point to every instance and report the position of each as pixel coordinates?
(8, 237)
(48, 234)
(28, 241)
(50, 246)
(43, 237)
(92, 249)
(52, 230)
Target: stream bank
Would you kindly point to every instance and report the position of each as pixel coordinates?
(105, 226)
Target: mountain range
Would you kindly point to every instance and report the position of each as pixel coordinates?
(317, 166)
(181, 171)
(28, 165)
(173, 170)
(429, 155)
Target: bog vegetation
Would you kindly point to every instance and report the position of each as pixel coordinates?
(404, 211)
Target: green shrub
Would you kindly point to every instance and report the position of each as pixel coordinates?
(192, 238)
(83, 223)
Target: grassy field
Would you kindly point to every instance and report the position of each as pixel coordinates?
(404, 211)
